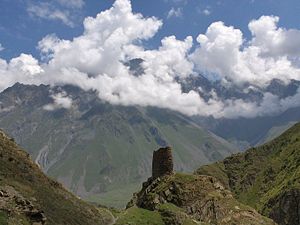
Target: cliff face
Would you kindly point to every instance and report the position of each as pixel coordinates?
(266, 178)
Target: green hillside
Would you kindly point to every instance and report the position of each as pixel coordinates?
(266, 178)
(27, 196)
(99, 151)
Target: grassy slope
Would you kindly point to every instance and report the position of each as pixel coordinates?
(261, 173)
(60, 206)
(164, 216)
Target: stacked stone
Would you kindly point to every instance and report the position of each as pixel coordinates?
(162, 162)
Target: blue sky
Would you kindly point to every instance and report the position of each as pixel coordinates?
(20, 31)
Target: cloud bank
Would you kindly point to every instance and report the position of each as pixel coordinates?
(95, 60)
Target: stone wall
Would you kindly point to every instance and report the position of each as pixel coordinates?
(162, 162)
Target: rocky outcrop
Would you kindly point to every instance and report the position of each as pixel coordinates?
(162, 162)
(203, 198)
(287, 206)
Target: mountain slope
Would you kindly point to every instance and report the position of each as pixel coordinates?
(98, 150)
(266, 177)
(28, 196)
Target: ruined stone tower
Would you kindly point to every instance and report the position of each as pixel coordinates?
(162, 162)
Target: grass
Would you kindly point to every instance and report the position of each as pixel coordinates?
(3, 218)
(116, 197)
(139, 216)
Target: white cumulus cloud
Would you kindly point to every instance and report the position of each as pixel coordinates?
(222, 51)
(273, 40)
(22, 69)
(96, 60)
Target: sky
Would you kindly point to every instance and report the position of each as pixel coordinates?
(85, 43)
(21, 27)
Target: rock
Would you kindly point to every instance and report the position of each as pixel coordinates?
(162, 162)
(285, 209)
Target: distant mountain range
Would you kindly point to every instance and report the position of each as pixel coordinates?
(97, 150)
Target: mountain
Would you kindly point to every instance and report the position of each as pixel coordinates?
(259, 128)
(266, 178)
(176, 198)
(27, 196)
(97, 150)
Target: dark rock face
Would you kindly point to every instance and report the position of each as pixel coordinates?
(162, 162)
(286, 208)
